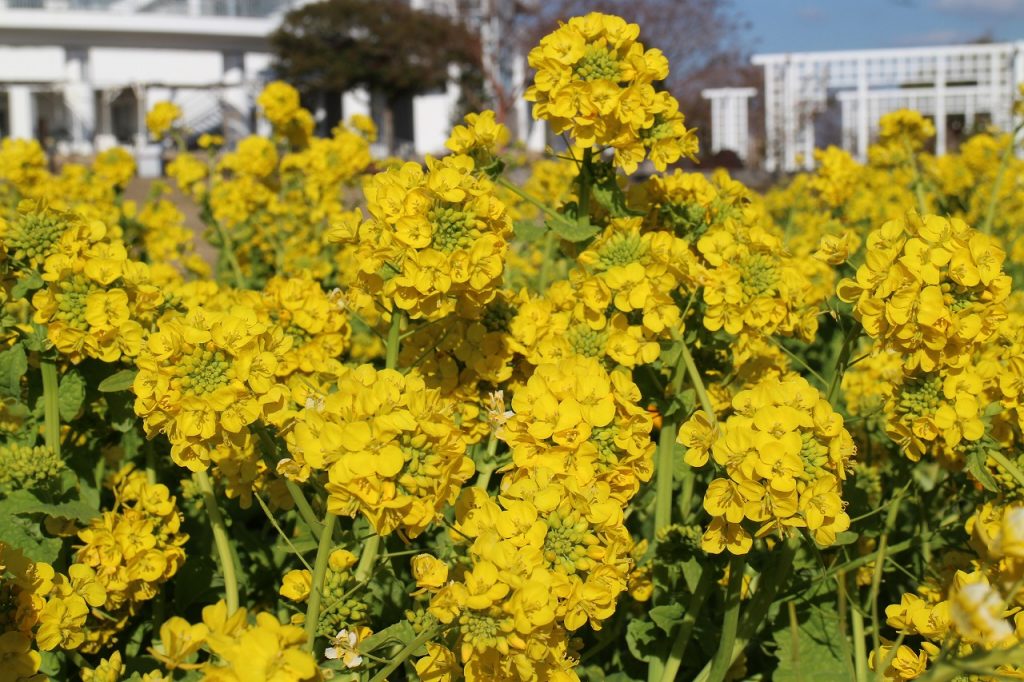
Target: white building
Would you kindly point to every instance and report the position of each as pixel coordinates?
(80, 75)
(965, 81)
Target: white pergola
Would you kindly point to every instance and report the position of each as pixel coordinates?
(730, 119)
(940, 81)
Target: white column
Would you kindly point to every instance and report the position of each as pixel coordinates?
(234, 98)
(1018, 78)
(20, 106)
(771, 159)
(79, 101)
(522, 107)
(862, 110)
(940, 105)
(789, 117)
(105, 135)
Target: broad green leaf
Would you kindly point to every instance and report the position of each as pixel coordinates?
(667, 616)
(71, 395)
(816, 651)
(22, 502)
(25, 535)
(572, 230)
(118, 381)
(399, 632)
(975, 465)
(13, 365)
(642, 639)
(529, 231)
(608, 193)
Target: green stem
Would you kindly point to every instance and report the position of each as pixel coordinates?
(301, 503)
(990, 214)
(488, 466)
(546, 210)
(586, 179)
(323, 551)
(697, 383)
(675, 655)
(860, 655)
(221, 541)
(407, 651)
(545, 265)
(663, 469)
(368, 558)
(228, 250)
(730, 622)
(394, 341)
(876, 578)
(51, 403)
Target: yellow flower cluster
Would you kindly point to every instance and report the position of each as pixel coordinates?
(551, 553)
(205, 376)
(344, 611)
(931, 289)
(161, 118)
(436, 240)
(785, 455)
(126, 554)
(237, 650)
(389, 444)
(281, 106)
(597, 83)
(23, 587)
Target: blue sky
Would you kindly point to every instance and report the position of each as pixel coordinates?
(799, 25)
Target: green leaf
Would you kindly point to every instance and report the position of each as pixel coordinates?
(400, 632)
(22, 502)
(607, 192)
(13, 365)
(642, 640)
(25, 535)
(667, 616)
(30, 282)
(816, 651)
(573, 230)
(71, 394)
(529, 231)
(975, 466)
(845, 538)
(118, 381)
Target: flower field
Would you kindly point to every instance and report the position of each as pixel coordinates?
(494, 418)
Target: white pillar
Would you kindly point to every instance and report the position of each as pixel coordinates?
(538, 139)
(20, 106)
(522, 107)
(79, 101)
(789, 117)
(862, 110)
(771, 160)
(940, 105)
(234, 98)
(1018, 78)
(105, 134)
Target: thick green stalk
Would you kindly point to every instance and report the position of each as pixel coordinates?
(323, 551)
(663, 471)
(368, 558)
(876, 578)
(730, 622)
(545, 265)
(221, 541)
(394, 341)
(697, 383)
(675, 656)
(860, 654)
(993, 200)
(51, 404)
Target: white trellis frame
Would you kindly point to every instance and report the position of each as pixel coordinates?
(797, 86)
(730, 119)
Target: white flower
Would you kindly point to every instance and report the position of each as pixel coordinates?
(977, 612)
(345, 648)
(497, 415)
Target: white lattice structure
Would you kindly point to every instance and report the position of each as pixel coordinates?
(730, 119)
(941, 81)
